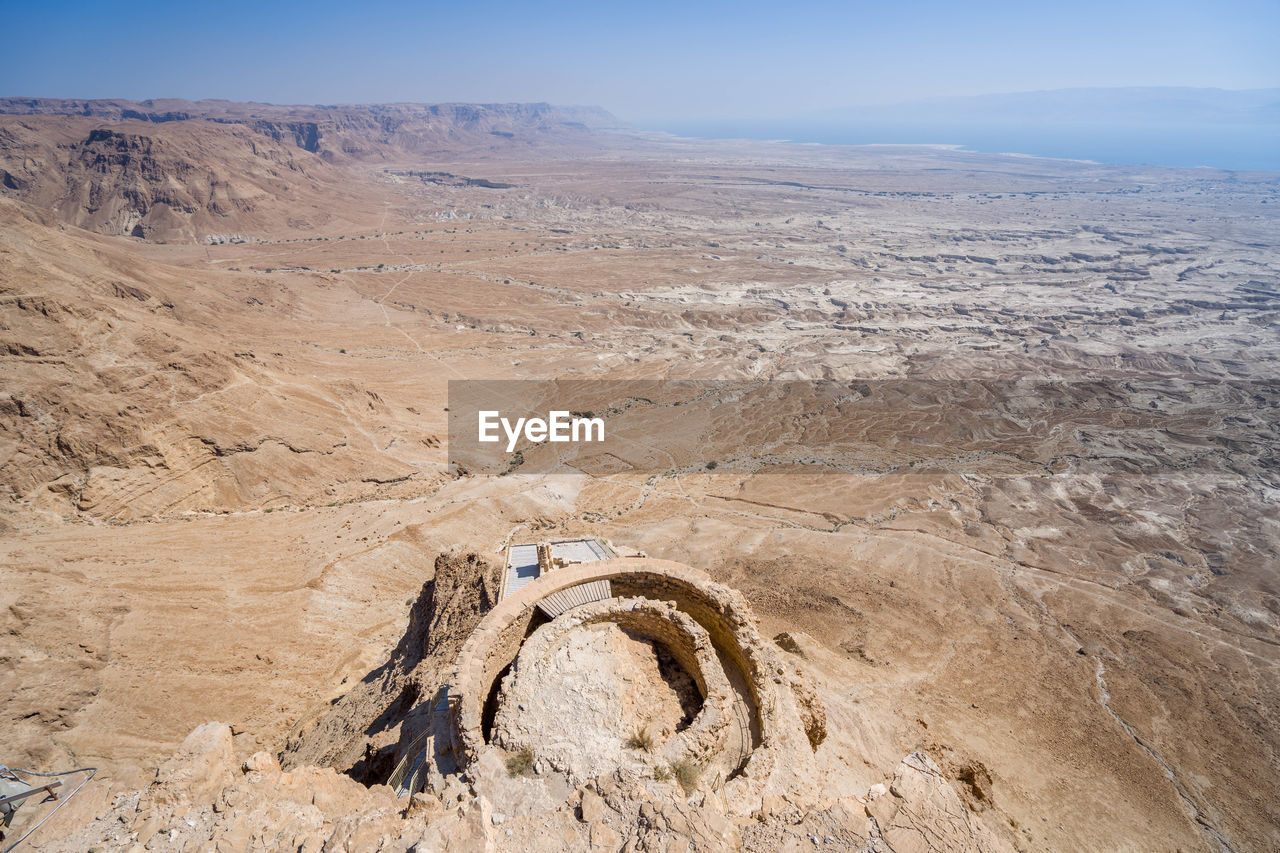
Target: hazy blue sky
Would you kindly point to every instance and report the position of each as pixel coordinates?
(647, 60)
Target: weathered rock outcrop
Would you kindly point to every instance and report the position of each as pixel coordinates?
(171, 182)
(359, 734)
(203, 799)
(177, 171)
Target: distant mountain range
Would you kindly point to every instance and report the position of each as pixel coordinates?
(1129, 106)
(167, 170)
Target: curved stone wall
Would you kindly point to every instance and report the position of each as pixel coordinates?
(706, 741)
(717, 610)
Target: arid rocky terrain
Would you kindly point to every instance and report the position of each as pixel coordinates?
(227, 332)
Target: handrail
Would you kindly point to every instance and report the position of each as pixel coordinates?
(396, 779)
(13, 774)
(22, 795)
(417, 747)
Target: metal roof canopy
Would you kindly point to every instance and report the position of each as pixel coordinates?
(524, 563)
(522, 567)
(579, 551)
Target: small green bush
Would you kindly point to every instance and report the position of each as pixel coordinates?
(641, 739)
(686, 773)
(521, 764)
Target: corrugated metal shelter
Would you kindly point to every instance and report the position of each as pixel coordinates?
(531, 560)
(522, 567)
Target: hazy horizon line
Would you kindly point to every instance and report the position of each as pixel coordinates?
(603, 105)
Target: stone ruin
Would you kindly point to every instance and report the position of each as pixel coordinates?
(653, 718)
(750, 724)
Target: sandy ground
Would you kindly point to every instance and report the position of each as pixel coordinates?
(225, 471)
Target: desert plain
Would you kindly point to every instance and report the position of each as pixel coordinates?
(227, 333)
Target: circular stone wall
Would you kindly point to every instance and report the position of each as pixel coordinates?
(579, 704)
(732, 732)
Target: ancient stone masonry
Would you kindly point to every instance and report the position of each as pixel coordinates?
(716, 738)
(757, 722)
(653, 719)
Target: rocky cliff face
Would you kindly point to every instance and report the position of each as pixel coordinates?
(171, 182)
(618, 803)
(373, 131)
(359, 733)
(177, 171)
(303, 134)
(203, 799)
